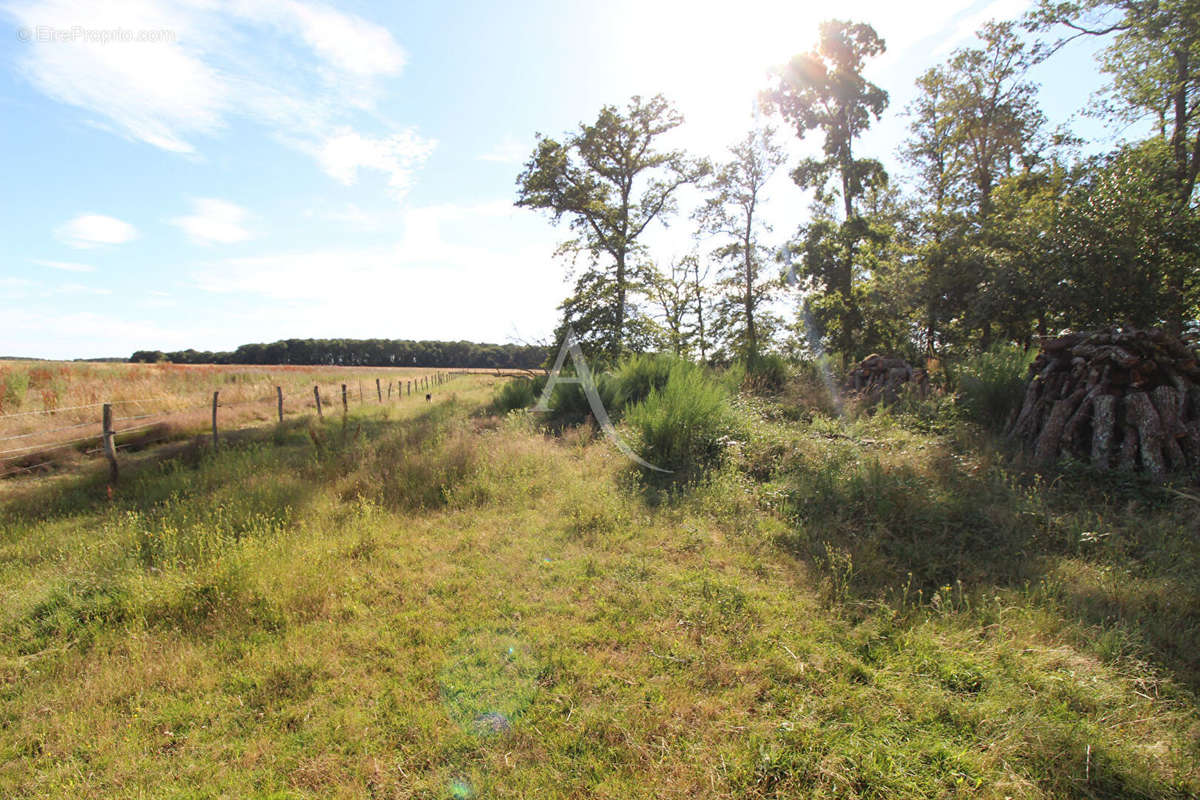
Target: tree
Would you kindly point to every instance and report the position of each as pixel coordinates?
(825, 90)
(974, 124)
(672, 293)
(610, 182)
(733, 214)
(1154, 61)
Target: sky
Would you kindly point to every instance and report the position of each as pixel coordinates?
(206, 174)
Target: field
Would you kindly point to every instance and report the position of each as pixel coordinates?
(439, 601)
(50, 412)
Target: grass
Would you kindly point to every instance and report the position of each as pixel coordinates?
(50, 411)
(432, 603)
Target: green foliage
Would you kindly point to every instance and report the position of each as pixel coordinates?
(610, 181)
(683, 426)
(14, 389)
(991, 385)
(767, 373)
(639, 375)
(517, 393)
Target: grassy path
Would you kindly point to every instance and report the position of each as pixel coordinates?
(431, 604)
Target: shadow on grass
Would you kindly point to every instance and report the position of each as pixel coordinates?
(1115, 552)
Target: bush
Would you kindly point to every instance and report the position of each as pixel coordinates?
(569, 403)
(990, 385)
(681, 426)
(518, 393)
(766, 373)
(639, 375)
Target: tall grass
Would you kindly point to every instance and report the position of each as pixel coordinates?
(990, 385)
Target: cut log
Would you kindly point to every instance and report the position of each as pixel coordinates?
(1141, 414)
(1052, 433)
(1103, 422)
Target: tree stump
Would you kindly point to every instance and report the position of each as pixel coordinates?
(1120, 398)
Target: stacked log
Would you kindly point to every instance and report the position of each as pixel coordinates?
(876, 379)
(1122, 398)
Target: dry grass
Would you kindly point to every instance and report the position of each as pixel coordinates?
(50, 412)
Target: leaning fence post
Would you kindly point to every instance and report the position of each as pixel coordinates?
(379, 389)
(279, 395)
(215, 396)
(110, 452)
(317, 395)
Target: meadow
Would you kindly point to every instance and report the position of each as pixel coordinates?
(457, 599)
(50, 412)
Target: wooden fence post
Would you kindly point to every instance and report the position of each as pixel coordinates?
(279, 396)
(317, 395)
(215, 440)
(345, 402)
(389, 390)
(110, 452)
(379, 389)
(409, 383)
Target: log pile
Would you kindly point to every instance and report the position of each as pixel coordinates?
(876, 379)
(1122, 398)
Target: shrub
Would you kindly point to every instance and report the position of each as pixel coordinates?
(766, 373)
(639, 375)
(569, 403)
(681, 426)
(991, 384)
(517, 393)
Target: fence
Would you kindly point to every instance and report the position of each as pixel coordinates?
(18, 452)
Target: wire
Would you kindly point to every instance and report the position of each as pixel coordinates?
(49, 410)
(136, 428)
(50, 446)
(143, 416)
(43, 433)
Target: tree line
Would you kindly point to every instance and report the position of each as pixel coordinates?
(996, 229)
(362, 353)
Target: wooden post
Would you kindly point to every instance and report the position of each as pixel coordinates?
(215, 440)
(389, 390)
(110, 452)
(345, 402)
(379, 389)
(317, 395)
(279, 396)
(409, 383)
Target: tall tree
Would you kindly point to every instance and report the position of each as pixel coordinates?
(824, 90)
(609, 180)
(974, 124)
(733, 214)
(1153, 59)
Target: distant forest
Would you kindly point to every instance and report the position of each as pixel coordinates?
(362, 353)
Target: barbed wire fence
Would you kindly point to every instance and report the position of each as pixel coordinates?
(108, 428)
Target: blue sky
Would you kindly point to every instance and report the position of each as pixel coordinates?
(226, 172)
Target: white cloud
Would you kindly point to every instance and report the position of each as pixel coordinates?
(79, 288)
(300, 69)
(214, 221)
(456, 286)
(346, 151)
(93, 230)
(509, 150)
(65, 266)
